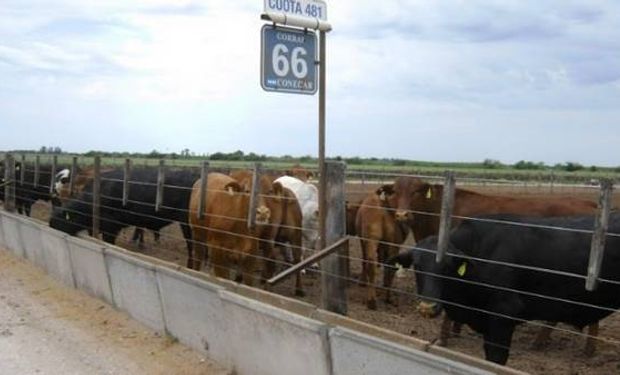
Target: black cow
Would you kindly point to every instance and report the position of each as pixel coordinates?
(487, 295)
(76, 215)
(26, 194)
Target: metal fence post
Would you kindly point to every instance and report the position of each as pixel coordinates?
(126, 173)
(37, 170)
(334, 267)
(96, 196)
(447, 205)
(601, 221)
(72, 176)
(22, 170)
(254, 195)
(9, 182)
(204, 175)
(160, 185)
(53, 173)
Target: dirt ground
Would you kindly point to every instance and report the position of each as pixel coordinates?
(563, 355)
(46, 328)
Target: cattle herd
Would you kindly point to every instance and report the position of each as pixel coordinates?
(510, 260)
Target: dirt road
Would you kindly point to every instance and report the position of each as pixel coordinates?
(46, 328)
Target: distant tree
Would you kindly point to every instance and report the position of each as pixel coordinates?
(491, 164)
(572, 167)
(154, 155)
(43, 150)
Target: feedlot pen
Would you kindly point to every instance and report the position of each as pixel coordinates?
(564, 354)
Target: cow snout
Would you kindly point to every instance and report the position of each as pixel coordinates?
(263, 214)
(428, 309)
(402, 215)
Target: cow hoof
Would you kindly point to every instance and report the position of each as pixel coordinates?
(372, 304)
(300, 293)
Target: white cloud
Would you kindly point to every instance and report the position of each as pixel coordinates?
(165, 72)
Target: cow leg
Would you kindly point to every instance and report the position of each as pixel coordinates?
(388, 274)
(156, 235)
(371, 293)
(363, 280)
(219, 262)
(198, 250)
(444, 331)
(187, 234)
(456, 329)
(299, 290)
(247, 269)
(544, 336)
(497, 339)
(138, 238)
(591, 340)
(268, 253)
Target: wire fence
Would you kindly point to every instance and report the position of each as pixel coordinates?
(375, 212)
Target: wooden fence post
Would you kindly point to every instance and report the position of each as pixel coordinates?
(445, 218)
(334, 266)
(53, 173)
(96, 196)
(37, 170)
(202, 198)
(126, 173)
(9, 182)
(160, 185)
(601, 221)
(254, 195)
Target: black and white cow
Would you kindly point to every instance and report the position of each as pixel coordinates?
(76, 214)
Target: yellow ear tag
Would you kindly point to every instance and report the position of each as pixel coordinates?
(429, 193)
(462, 269)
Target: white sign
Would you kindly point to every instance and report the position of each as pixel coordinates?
(300, 8)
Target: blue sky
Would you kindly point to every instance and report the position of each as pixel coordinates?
(449, 80)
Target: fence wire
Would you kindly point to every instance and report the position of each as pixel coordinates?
(26, 191)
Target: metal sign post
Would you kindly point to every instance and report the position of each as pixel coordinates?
(289, 62)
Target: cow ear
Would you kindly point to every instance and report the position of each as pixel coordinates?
(232, 187)
(384, 191)
(277, 188)
(309, 175)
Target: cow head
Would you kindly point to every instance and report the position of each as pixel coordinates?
(71, 219)
(299, 172)
(269, 206)
(412, 194)
(433, 277)
(61, 187)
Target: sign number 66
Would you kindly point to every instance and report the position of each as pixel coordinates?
(281, 65)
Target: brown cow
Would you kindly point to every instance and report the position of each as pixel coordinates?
(419, 204)
(224, 227)
(376, 226)
(284, 227)
(299, 172)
